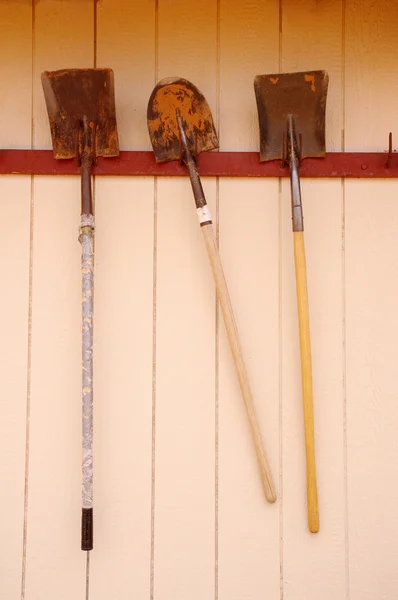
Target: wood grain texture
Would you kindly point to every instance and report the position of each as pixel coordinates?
(123, 339)
(15, 131)
(245, 51)
(14, 302)
(306, 378)
(248, 531)
(124, 296)
(372, 420)
(314, 565)
(16, 74)
(185, 399)
(371, 299)
(54, 559)
(185, 346)
(123, 384)
(224, 300)
(126, 43)
(371, 82)
(248, 527)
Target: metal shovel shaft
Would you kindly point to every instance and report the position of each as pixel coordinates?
(87, 266)
(293, 160)
(189, 159)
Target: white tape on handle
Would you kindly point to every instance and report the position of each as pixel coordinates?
(203, 214)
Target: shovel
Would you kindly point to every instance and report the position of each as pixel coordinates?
(180, 127)
(291, 110)
(81, 110)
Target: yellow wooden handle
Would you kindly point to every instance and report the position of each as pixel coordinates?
(230, 325)
(306, 375)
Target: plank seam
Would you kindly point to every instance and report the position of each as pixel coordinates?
(217, 318)
(29, 340)
(217, 408)
(280, 345)
(344, 315)
(154, 323)
(154, 347)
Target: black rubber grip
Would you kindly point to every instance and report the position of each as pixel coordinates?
(87, 529)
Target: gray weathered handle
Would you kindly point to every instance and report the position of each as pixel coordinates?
(86, 239)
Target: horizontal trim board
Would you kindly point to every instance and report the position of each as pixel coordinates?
(212, 164)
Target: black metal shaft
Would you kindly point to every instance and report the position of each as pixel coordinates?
(293, 158)
(86, 159)
(190, 162)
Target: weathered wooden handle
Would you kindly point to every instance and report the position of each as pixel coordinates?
(230, 325)
(306, 375)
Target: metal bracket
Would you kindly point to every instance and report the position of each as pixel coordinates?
(390, 150)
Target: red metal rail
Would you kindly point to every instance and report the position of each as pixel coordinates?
(211, 164)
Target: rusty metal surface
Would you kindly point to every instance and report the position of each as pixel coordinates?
(169, 95)
(190, 162)
(74, 94)
(303, 95)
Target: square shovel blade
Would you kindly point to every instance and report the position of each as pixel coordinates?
(174, 93)
(301, 94)
(71, 95)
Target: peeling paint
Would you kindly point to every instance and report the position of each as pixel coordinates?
(169, 95)
(311, 79)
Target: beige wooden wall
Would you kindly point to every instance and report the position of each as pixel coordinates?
(179, 509)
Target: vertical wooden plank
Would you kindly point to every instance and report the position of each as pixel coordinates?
(248, 527)
(185, 347)
(14, 302)
(371, 291)
(371, 82)
(15, 131)
(55, 563)
(372, 330)
(16, 74)
(126, 43)
(120, 565)
(314, 564)
(184, 498)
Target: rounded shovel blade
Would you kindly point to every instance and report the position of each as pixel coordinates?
(169, 95)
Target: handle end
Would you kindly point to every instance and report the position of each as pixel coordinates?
(87, 529)
(270, 493)
(313, 526)
(313, 521)
(313, 512)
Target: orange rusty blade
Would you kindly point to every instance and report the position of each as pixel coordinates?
(71, 95)
(168, 95)
(302, 95)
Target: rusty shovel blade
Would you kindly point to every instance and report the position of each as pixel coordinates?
(73, 95)
(302, 95)
(169, 95)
